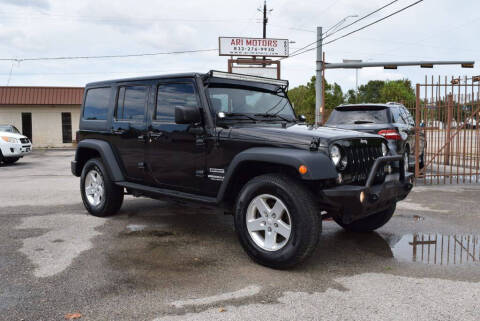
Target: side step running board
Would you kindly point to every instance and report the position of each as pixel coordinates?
(167, 192)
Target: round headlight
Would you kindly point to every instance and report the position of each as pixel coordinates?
(384, 149)
(335, 155)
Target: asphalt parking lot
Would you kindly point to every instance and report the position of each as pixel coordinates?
(167, 261)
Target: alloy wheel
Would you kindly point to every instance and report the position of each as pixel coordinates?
(94, 187)
(268, 222)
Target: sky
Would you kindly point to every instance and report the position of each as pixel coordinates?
(431, 30)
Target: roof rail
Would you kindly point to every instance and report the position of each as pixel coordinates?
(234, 76)
(393, 103)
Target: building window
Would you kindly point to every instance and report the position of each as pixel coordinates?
(27, 125)
(131, 103)
(67, 128)
(96, 104)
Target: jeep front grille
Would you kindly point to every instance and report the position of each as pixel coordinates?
(361, 157)
(24, 140)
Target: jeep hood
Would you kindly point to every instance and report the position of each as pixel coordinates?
(291, 135)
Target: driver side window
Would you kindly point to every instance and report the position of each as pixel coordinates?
(170, 95)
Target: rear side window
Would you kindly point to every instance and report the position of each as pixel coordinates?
(408, 117)
(96, 103)
(397, 116)
(358, 116)
(131, 103)
(171, 95)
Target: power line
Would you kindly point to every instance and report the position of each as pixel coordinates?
(107, 56)
(359, 29)
(334, 2)
(13, 16)
(376, 21)
(359, 19)
(10, 73)
(26, 74)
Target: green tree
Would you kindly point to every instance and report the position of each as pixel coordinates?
(351, 96)
(333, 95)
(370, 92)
(398, 91)
(303, 98)
(375, 91)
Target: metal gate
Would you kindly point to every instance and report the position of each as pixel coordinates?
(447, 114)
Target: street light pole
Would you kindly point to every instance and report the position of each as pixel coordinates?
(318, 79)
(356, 74)
(319, 89)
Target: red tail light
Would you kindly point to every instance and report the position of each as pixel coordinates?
(391, 134)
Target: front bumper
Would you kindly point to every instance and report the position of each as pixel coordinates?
(15, 149)
(345, 201)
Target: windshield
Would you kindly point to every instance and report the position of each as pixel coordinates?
(364, 116)
(250, 102)
(9, 129)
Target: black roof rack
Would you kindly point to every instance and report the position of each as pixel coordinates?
(234, 76)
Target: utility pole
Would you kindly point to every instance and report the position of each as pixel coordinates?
(318, 80)
(265, 21)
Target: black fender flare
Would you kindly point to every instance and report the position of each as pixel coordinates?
(319, 165)
(106, 153)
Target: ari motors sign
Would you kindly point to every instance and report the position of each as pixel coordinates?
(240, 46)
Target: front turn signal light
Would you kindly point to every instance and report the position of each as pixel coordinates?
(303, 169)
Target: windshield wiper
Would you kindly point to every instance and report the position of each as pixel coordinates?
(267, 115)
(363, 122)
(238, 114)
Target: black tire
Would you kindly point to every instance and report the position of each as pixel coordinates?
(369, 223)
(10, 160)
(406, 154)
(421, 163)
(305, 220)
(113, 194)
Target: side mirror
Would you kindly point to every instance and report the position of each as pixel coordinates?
(302, 118)
(187, 115)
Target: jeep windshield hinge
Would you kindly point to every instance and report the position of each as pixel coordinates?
(314, 144)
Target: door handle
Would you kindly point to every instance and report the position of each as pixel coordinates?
(153, 136)
(118, 131)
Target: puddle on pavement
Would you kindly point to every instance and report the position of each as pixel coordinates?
(415, 218)
(436, 249)
(145, 231)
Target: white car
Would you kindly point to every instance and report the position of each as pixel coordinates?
(471, 123)
(13, 145)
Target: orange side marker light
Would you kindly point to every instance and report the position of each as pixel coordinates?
(303, 169)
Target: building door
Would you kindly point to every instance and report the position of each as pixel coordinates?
(27, 125)
(66, 128)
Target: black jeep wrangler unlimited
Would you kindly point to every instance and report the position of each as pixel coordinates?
(234, 141)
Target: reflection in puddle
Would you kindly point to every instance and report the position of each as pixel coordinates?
(145, 231)
(437, 248)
